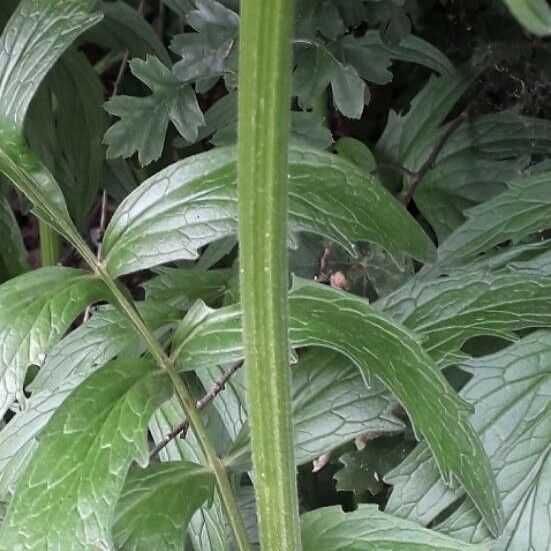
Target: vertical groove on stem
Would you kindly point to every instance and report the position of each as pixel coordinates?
(264, 96)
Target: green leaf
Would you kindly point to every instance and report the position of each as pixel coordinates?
(104, 336)
(36, 308)
(348, 91)
(207, 529)
(364, 468)
(33, 39)
(331, 406)
(356, 152)
(193, 202)
(69, 105)
(13, 255)
(52, 26)
(181, 287)
(509, 390)
(366, 528)
(410, 49)
(535, 15)
(476, 162)
(512, 416)
(157, 503)
(123, 28)
(321, 316)
(525, 208)
(144, 121)
(459, 182)
(447, 312)
(67, 496)
(206, 53)
(428, 110)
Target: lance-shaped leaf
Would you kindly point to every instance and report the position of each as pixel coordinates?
(104, 336)
(36, 308)
(207, 528)
(123, 28)
(367, 528)
(509, 391)
(320, 316)
(193, 202)
(522, 209)
(156, 505)
(449, 311)
(34, 38)
(65, 125)
(535, 15)
(67, 496)
(13, 256)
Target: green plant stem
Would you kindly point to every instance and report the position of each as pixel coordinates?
(188, 404)
(264, 98)
(49, 244)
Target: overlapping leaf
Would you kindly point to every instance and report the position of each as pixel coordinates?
(13, 256)
(193, 202)
(331, 405)
(513, 418)
(33, 39)
(379, 347)
(35, 310)
(535, 15)
(65, 126)
(524, 208)
(105, 335)
(67, 496)
(449, 311)
(123, 28)
(366, 528)
(156, 505)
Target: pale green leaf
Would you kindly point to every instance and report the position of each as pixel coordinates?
(331, 406)
(368, 529)
(522, 209)
(447, 312)
(104, 336)
(509, 391)
(193, 202)
(36, 308)
(348, 91)
(157, 504)
(535, 15)
(320, 316)
(34, 38)
(67, 496)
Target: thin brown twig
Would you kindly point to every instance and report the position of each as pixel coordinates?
(417, 176)
(202, 403)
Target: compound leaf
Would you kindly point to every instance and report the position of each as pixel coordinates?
(36, 308)
(67, 495)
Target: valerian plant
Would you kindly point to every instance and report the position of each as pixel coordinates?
(387, 317)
